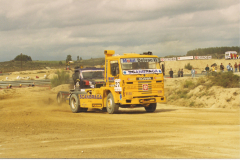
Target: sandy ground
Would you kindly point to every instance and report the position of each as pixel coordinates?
(34, 126)
(214, 97)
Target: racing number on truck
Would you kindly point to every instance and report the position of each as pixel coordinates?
(117, 86)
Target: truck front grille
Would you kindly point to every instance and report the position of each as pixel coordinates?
(145, 87)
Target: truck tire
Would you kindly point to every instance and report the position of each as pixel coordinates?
(74, 103)
(111, 106)
(151, 108)
(59, 99)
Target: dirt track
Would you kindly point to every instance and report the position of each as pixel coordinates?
(33, 126)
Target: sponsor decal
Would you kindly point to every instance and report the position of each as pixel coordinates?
(128, 60)
(202, 57)
(145, 87)
(120, 96)
(169, 59)
(111, 79)
(84, 96)
(96, 105)
(131, 87)
(144, 78)
(160, 91)
(132, 60)
(185, 58)
(145, 71)
(128, 93)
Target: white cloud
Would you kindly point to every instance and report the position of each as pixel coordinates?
(50, 30)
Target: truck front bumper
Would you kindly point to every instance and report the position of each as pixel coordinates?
(143, 100)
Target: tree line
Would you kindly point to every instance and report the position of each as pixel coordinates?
(216, 51)
(22, 57)
(211, 51)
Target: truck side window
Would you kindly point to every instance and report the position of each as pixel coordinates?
(114, 68)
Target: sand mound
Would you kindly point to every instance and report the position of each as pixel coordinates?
(214, 97)
(63, 87)
(22, 92)
(29, 75)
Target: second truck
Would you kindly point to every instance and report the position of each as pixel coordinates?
(131, 80)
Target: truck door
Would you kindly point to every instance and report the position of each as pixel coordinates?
(112, 71)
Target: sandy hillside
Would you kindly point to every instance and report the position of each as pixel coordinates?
(29, 75)
(200, 97)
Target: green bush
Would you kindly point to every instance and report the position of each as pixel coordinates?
(226, 80)
(61, 78)
(188, 66)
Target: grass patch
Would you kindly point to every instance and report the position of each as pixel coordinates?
(192, 104)
(183, 93)
(226, 80)
(61, 78)
(41, 72)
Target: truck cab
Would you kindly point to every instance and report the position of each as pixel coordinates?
(90, 77)
(83, 78)
(131, 80)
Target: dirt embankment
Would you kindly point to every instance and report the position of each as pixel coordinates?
(200, 96)
(29, 75)
(34, 126)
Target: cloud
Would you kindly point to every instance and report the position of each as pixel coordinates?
(50, 30)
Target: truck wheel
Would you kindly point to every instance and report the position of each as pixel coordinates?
(111, 106)
(59, 99)
(74, 103)
(151, 108)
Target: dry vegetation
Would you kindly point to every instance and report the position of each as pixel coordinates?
(219, 91)
(12, 66)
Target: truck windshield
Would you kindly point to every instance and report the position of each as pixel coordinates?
(93, 74)
(140, 65)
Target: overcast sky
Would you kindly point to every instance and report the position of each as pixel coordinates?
(52, 29)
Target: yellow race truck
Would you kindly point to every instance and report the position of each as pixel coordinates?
(131, 80)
